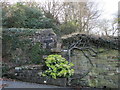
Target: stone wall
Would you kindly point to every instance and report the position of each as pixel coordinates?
(48, 39)
(105, 71)
(23, 46)
(33, 73)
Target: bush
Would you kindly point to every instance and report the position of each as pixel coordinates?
(23, 15)
(57, 66)
(68, 28)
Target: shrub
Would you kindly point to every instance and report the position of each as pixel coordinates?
(37, 52)
(57, 66)
(68, 28)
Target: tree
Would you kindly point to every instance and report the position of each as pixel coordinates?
(108, 27)
(25, 15)
(104, 27)
(114, 25)
(52, 14)
(52, 9)
(83, 13)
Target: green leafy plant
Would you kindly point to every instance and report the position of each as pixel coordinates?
(57, 67)
(37, 53)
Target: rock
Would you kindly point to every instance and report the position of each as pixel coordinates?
(48, 39)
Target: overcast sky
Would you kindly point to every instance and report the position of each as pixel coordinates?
(109, 7)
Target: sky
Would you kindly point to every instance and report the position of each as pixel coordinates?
(109, 8)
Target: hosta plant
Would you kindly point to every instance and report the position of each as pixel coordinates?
(58, 67)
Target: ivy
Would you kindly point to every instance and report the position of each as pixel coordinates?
(37, 52)
(19, 48)
(58, 67)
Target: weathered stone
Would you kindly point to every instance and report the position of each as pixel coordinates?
(34, 75)
(103, 67)
(48, 39)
